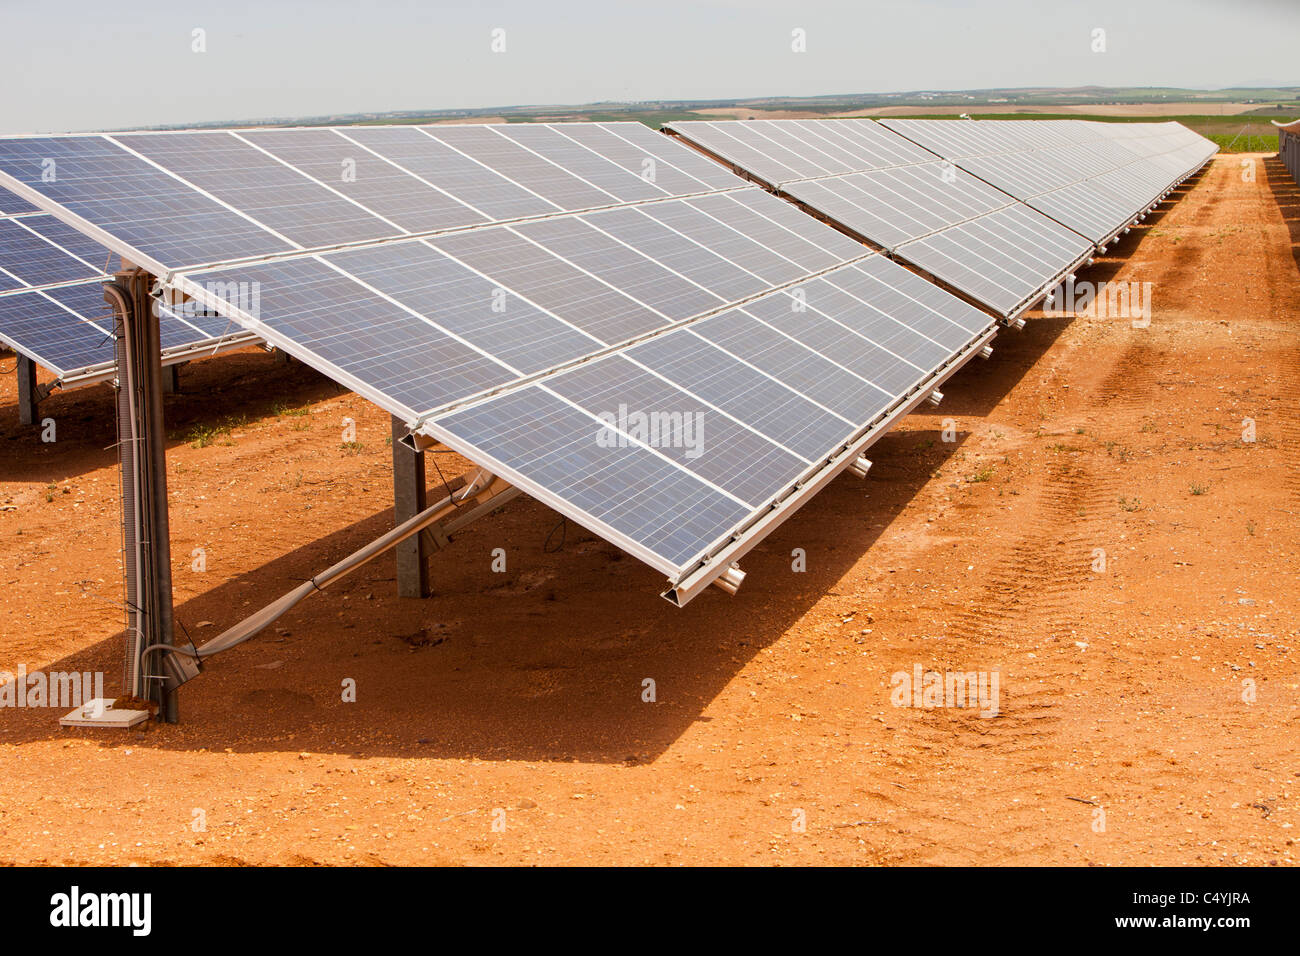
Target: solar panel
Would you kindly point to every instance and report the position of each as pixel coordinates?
(11, 205)
(29, 258)
(908, 200)
(537, 287)
(55, 336)
(219, 196)
(428, 321)
(68, 330)
(778, 152)
(1094, 178)
(1006, 259)
(774, 389)
(52, 303)
(894, 206)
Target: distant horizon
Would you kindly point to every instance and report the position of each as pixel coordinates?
(181, 62)
(545, 108)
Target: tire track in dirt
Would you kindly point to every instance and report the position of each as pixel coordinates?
(1030, 600)
(1033, 599)
(1288, 422)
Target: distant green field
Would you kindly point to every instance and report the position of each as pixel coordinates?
(1248, 143)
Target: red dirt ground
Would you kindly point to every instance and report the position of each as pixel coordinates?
(1121, 691)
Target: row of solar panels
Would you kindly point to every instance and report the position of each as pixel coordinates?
(1288, 147)
(52, 301)
(65, 332)
(855, 172)
(544, 298)
(999, 210)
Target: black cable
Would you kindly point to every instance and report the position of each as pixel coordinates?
(562, 527)
(445, 486)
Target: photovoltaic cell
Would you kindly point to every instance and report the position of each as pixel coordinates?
(551, 143)
(821, 378)
(1004, 259)
(498, 152)
(677, 252)
(617, 143)
(65, 327)
(11, 205)
(69, 330)
(362, 334)
(749, 395)
(139, 205)
(725, 240)
(486, 192)
(635, 275)
(667, 154)
(69, 240)
(778, 389)
(785, 151)
(768, 231)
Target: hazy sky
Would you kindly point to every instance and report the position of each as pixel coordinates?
(81, 65)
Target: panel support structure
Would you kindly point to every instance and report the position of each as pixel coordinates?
(408, 501)
(171, 379)
(27, 394)
(146, 536)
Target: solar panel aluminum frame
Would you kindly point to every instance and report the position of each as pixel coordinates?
(49, 286)
(1036, 298)
(178, 355)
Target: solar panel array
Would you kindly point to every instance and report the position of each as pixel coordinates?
(669, 355)
(52, 303)
(918, 206)
(514, 290)
(1093, 177)
(779, 385)
(1000, 211)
